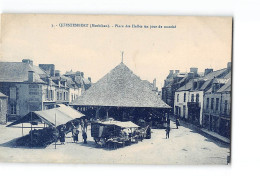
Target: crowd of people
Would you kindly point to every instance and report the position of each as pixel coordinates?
(74, 129)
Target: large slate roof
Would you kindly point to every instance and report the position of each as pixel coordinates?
(120, 88)
(207, 78)
(18, 72)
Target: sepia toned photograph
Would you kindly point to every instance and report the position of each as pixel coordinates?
(115, 89)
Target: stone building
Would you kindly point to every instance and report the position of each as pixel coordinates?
(22, 83)
(79, 79)
(31, 88)
(217, 107)
(189, 99)
(174, 81)
(3, 108)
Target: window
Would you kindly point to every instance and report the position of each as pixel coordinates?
(13, 108)
(212, 103)
(197, 97)
(184, 110)
(13, 93)
(177, 97)
(58, 96)
(47, 94)
(71, 97)
(64, 94)
(51, 94)
(195, 85)
(61, 96)
(225, 107)
(184, 98)
(217, 104)
(207, 104)
(192, 98)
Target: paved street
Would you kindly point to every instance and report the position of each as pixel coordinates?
(185, 146)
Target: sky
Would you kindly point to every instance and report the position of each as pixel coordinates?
(202, 42)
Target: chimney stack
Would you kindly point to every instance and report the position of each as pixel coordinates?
(194, 70)
(154, 83)
(30, 76)
(190, 75)
(207, 71)
(57, 72)
(177, 71)
(229, 65)
(28, 61)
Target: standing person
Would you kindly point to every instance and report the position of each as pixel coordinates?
(168, 132)
(62, 135)
(74, 132)
(82, 125)
(86, 125)
(75, 135)
(148, 132)
(177, 123)
(84, 136)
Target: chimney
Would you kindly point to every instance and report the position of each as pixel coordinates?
(89, 78)
(78, 73)
(190, 75)
(194, 70)
(30, 76)
(57, 72)
(177, 71)
(207, 71)
(154, 83)
(171, 72)
(82, 74)
(229, 65)
(28, 61)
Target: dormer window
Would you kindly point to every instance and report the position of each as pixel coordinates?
(195, 85)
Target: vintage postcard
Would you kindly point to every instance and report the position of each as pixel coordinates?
(107, 89)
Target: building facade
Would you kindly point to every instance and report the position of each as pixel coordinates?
(3, 108)
(173, 82)
(217, 108)
(31, 88)
(189, 99)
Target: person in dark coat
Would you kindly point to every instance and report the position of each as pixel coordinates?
(82, 124)
(148, 133)
(62, 135)
(75, 135)
(86, 125)
(84, 136)
(168, 132)
(177, 123)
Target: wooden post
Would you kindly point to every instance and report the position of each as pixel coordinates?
(55, 131)
(31, 129)
(97, 112)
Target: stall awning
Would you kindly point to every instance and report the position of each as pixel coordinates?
(127, 124)
(58, 116)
